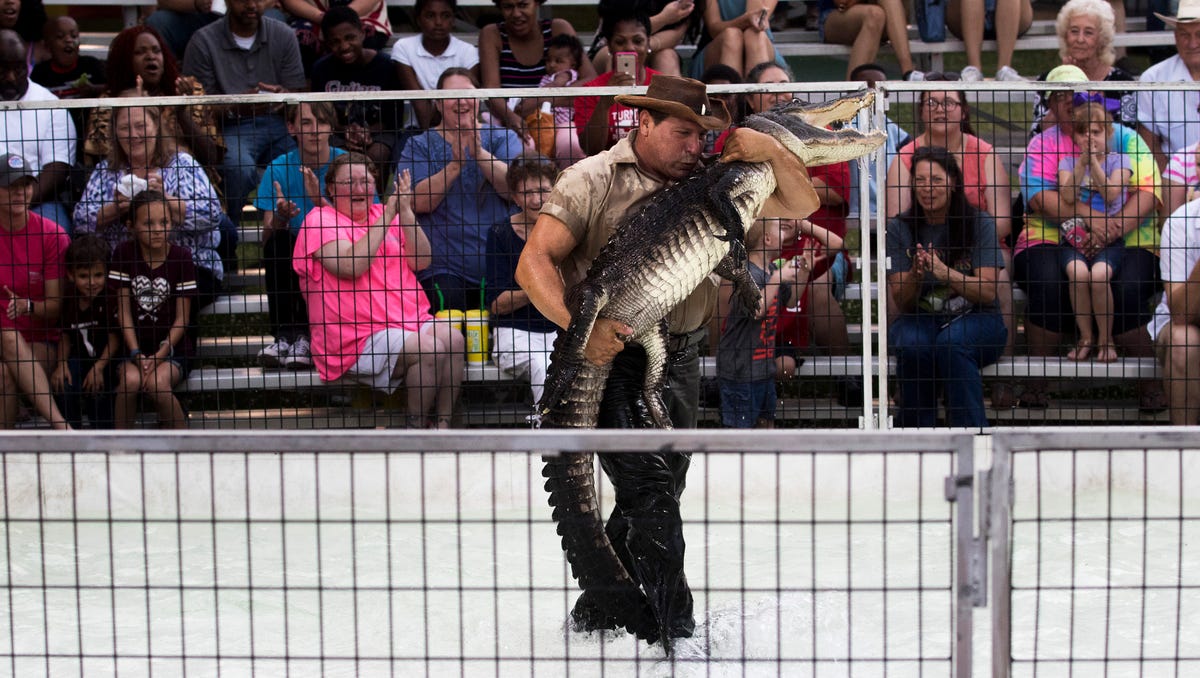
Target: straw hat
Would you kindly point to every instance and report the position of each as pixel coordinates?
(683, 98)
(1188, 12)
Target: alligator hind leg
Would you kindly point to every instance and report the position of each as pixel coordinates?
(655, 344)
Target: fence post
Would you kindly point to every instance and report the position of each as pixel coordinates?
(867, 122)
(879, 160)
(969, 572)
(999, 529)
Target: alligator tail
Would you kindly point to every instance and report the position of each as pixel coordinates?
(568, 358)
(611, 598)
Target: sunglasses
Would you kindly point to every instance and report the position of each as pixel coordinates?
(943, 76)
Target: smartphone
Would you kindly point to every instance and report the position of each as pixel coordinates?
(625, 62)
(761, 21)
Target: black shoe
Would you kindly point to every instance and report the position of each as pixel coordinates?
(850, 392)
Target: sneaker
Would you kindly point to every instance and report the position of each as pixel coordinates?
(1008, 74)
(275, 354)
(915, 76)
(971, 74)
(300, 355)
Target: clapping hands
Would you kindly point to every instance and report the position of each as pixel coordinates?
(399, 201)
(285, 210)
(927, 260)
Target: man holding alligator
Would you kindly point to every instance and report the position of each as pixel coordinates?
(589, 200)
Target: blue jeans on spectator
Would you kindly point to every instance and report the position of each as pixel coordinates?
(177, 28)
(227, 248)
(250, 142)
(74, 402)
(1038, 271)
(287, 311)
(935, 351)
(744, 403)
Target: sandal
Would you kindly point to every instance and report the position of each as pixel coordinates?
(1034, 398)
(1082, 351)
(1003, 396)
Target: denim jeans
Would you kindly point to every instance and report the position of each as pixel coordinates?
(932, 353)
(250, 142)
(287, 311)
(74, 402)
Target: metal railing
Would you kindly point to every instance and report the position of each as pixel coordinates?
(385, 553)
(404, 553)
(1092, 552)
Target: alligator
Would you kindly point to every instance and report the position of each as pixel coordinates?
(652, 262)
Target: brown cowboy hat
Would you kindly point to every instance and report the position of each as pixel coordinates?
(681, 97)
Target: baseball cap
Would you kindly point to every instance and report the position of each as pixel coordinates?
(1064, 73)
(13, 168)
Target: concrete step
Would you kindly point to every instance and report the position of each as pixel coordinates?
(220, 379)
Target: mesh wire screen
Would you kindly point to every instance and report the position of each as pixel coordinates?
(252, 355)
(1101, 563)
(442, 563)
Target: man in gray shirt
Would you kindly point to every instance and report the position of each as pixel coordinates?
(247, 53)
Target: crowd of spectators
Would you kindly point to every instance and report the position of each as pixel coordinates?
(352, 282)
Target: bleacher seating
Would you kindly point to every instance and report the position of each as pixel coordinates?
(223, 361)
(792, 42)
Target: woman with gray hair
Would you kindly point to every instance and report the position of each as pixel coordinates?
(1085, 39)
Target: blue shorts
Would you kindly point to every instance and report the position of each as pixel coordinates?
(1110, 255)
(744, 403)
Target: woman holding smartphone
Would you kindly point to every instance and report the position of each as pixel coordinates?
(600, 120)
(672, 22)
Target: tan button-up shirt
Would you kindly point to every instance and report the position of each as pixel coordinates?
(592, 197)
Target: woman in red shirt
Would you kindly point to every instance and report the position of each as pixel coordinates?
(601, 121)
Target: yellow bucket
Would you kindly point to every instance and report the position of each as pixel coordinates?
(453, 316)
(478, 349)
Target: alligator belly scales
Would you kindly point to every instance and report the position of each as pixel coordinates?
(655, 258)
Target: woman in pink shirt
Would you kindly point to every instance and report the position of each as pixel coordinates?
(369, 317)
